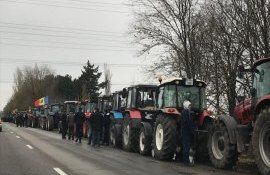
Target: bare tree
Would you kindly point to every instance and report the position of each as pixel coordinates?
(108, 79)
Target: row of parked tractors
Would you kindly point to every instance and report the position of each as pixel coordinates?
(147, 119)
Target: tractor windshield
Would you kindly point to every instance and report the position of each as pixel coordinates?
(193, 94)
(175, 95)
(90, 107)
(262, 80)
(145, 98)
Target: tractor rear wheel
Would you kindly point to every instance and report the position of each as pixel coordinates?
(130, 136)
(116, 135)
(261, 141)
(145, 139)
(221, 152)
(165, 137)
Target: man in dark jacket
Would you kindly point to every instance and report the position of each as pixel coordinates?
(106, 127)
(187, 131)
(97, 127)
(64, 123)
(78, 120)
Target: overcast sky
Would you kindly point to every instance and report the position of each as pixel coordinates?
(64, 34)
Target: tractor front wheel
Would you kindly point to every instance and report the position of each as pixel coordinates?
(165, 137)
(261, 141)
(221, 152)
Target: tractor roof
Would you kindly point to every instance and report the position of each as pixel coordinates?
(182, 81)
(261, 61)
(143, 86)
(66, 102)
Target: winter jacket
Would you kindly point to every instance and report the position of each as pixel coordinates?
(97, 121)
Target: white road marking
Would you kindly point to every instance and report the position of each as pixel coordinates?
(18, 137)
(29, 146)
(59, 171)
(11, 132)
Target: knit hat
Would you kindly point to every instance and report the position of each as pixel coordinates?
(186, 104)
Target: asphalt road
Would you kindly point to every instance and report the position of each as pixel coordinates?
(29, 151)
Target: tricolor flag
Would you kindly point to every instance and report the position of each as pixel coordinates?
(42, 101)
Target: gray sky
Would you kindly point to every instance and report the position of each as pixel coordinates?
(64, 34)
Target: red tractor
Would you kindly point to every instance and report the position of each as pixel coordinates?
(167, 125)
(140, 104)
(249, 128)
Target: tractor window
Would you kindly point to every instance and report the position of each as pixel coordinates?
(169, 96)
(191, 94)
(160, 97)
(55, 108)
(129, 105)
(262, 80)
(145, 98)
(90, 107)
(116, 102)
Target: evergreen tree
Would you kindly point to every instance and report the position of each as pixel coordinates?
(88, 82)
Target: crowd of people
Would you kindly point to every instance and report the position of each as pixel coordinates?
(98, 124)
(22, 119)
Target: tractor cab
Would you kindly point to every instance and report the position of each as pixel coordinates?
(173, 93)
(105, 104)
(71, 107)
(141, 97)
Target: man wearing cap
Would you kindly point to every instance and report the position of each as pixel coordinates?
(187, 131)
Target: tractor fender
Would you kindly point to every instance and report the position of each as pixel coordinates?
(148, 128)
(231, 126)
(117, 115)
(134, 114)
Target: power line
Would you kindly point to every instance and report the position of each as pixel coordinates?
(95, 2)
(64, 28)
(53, 42)
(72, 32)
(59, 47)
(12, 60)
(114, 84)
(60, 36)
(61, 6)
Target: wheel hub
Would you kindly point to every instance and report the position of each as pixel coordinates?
(142, 141)
(218, 145)
(264, 142)
(159, 137)
(126, 134)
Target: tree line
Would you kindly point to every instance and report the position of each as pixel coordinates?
(206, 39)
(32, 83)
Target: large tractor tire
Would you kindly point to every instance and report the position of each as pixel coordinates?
(146, 138)
(165, 135)
(221, 152)
(130, 135)
(116, 135)
(261, 141)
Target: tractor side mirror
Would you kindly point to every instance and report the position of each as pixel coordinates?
(241, 70)
(253, 92)
(240, 98)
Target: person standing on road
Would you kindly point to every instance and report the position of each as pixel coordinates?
(106, 128)
(70, 122)
(64, 123)
(79, 119)
(97, 127)
(26, 119)
(90, 129)
(187, 131)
